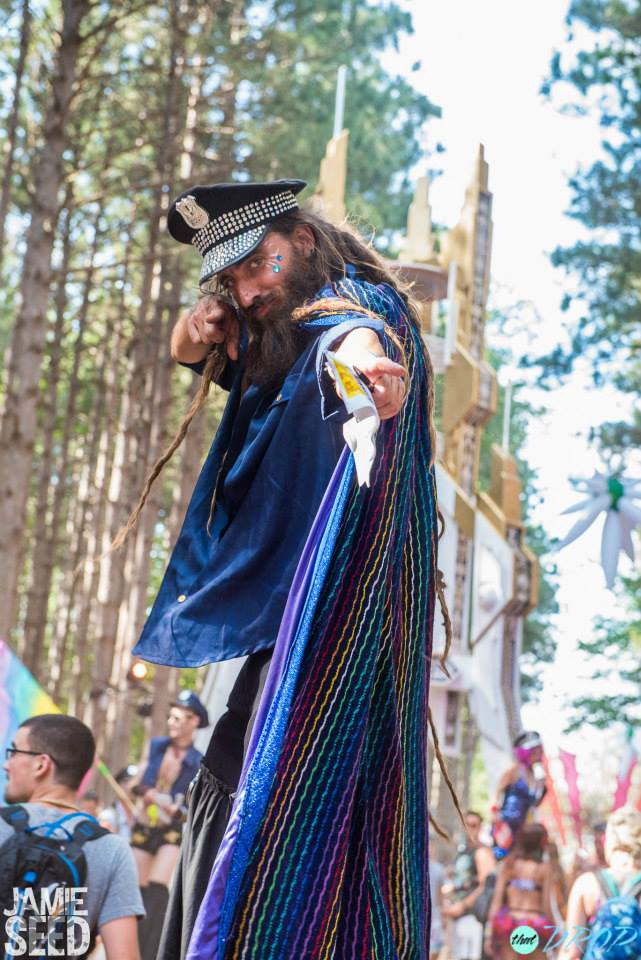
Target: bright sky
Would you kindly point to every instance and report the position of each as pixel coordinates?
(483, 64)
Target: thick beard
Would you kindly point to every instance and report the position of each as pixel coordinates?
(276, 342)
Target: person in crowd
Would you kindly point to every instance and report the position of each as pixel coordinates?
(473, 866)
(437, 881)
(559, 889)
(522, 894)
(118, 817)
(598, 838)
(168, 766)
(89, 803)
(608, 898)
(520, 789)
(45, 764)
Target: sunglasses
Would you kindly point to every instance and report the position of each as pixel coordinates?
(11, 752)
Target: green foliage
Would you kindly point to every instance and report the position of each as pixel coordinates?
(285, 104)
(615, 651)
(168, 94)
(605, 79)
(479, 784)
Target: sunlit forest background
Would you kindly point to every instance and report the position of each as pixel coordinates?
(108, 111)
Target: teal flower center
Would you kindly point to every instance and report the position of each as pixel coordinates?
(616, 491)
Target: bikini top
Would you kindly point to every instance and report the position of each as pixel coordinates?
(525, 883)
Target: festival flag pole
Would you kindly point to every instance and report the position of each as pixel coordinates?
(339, 108)
(122, 794)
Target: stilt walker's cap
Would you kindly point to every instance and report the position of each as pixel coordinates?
(226, 221)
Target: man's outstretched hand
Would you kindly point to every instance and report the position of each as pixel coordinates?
(364, 351)
(386, 382)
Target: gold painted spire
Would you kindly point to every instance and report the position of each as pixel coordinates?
(329, 199)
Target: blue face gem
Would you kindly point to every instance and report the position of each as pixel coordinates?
(278, 257)
(277, 269)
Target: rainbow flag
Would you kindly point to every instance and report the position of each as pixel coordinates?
(21, 697)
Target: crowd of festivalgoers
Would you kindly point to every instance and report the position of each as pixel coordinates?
(506, 891)
(479, 903)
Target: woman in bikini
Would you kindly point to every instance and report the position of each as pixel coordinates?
(522, 895)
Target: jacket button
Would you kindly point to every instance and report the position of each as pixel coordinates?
(182, 598)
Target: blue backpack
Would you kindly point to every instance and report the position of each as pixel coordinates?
(29, 859)
(616, 928)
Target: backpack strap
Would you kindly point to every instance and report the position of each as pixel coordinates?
(16, 816)
(607, 884)
(88, 829)
(633, 887)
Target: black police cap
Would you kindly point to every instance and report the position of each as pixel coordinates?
(226, 221)
(188, 700)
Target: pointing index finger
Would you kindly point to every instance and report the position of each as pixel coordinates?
(379, 366)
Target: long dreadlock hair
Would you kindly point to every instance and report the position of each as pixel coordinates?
(335, 248)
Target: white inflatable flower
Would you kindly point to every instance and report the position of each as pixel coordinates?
(615, 497)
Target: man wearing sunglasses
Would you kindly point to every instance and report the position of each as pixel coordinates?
(166, 769)
(44, 765)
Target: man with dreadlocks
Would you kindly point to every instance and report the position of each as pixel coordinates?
(308, 823)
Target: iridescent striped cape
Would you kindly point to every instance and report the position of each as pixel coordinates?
(326, 852)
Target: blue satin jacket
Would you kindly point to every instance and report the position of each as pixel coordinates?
(224, 591)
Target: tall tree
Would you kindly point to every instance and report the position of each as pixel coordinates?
(158, 94)
(18, 427)
(9, 148)
(615, 651)
(600, 66)
(604, 306)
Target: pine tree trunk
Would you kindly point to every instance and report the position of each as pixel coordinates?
(110, 399)
(47, 539)
(114, 635)
(12, 125)
(49, 406)
(18, 428)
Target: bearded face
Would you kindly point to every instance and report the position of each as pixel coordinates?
(275, 340)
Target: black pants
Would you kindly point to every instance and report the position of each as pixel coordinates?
(210, 806)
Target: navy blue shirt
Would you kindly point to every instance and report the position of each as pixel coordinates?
(224, 590)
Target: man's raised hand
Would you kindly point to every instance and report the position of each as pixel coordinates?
(213, 320)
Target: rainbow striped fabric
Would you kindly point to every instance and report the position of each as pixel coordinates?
(326, 851)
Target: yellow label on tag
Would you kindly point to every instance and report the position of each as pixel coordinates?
(350, 383)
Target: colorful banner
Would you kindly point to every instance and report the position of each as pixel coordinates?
(21, 697)
(624, 776)
(552, 801)
(568, 761)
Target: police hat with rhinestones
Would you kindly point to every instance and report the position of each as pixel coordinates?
(226, 221)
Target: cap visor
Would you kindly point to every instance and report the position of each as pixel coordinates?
(229, 252)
